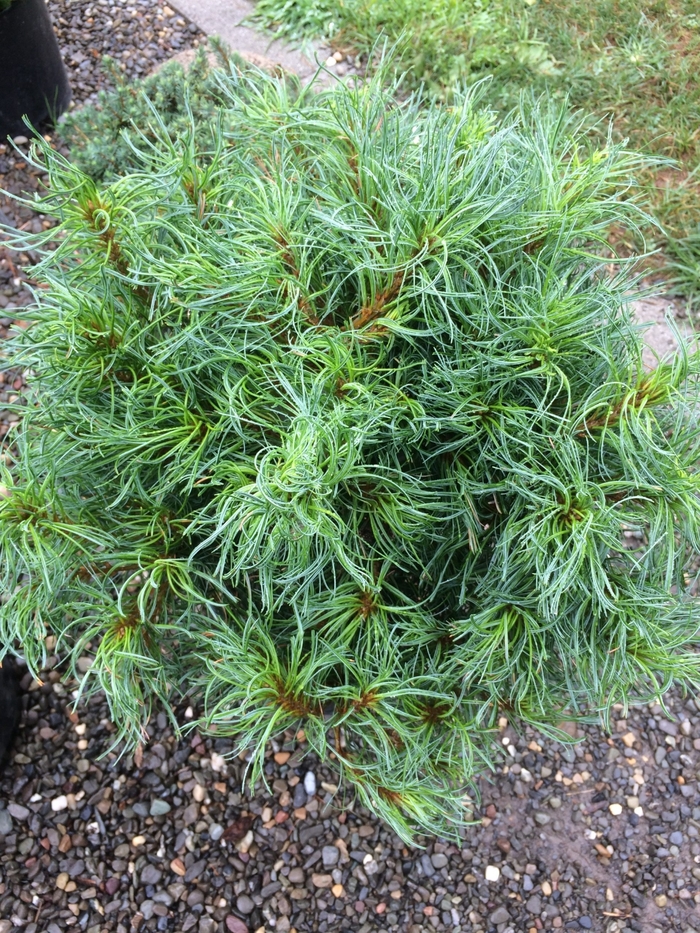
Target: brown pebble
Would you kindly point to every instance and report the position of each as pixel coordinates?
(282, 757)
(322, 881)
(178, 866)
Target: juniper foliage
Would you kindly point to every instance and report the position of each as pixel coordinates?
(340, 420)
(99, 133)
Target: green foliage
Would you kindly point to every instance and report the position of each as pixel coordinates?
(445, 42)
(5, 5)
(635, 63)
(102, 135)
(339, 420)
(299, 22)
(685, 267)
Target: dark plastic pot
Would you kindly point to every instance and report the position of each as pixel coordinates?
(33, 79)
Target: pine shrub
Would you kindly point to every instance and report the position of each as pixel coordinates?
(338, 421)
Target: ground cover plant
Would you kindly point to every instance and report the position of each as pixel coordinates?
(637, 63)
(338, 420)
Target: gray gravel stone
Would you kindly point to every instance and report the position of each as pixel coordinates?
(245, 904)
(150, 875)
(300, 796)
(195, 870)
(159, 807)
(500, 915)
(18, 811)
(330, 856)
(5, 823)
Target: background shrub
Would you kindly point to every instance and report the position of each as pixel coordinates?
(339, 420)
(102, 135)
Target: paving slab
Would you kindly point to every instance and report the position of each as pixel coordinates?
(223, 18)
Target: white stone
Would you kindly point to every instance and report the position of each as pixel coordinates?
(615, 809)
(492, 873)
(59, 803)
(310, 783)
(218, 762)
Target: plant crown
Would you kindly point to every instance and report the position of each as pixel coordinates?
(339, 419)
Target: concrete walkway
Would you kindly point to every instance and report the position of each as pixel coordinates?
(223, 18)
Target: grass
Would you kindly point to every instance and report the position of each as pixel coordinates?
(635, 64)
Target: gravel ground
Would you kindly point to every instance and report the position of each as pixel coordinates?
(137, 34)
(601, 836)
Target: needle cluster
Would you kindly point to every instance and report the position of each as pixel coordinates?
(340, 420)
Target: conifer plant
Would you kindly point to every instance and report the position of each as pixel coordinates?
(339, 421)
